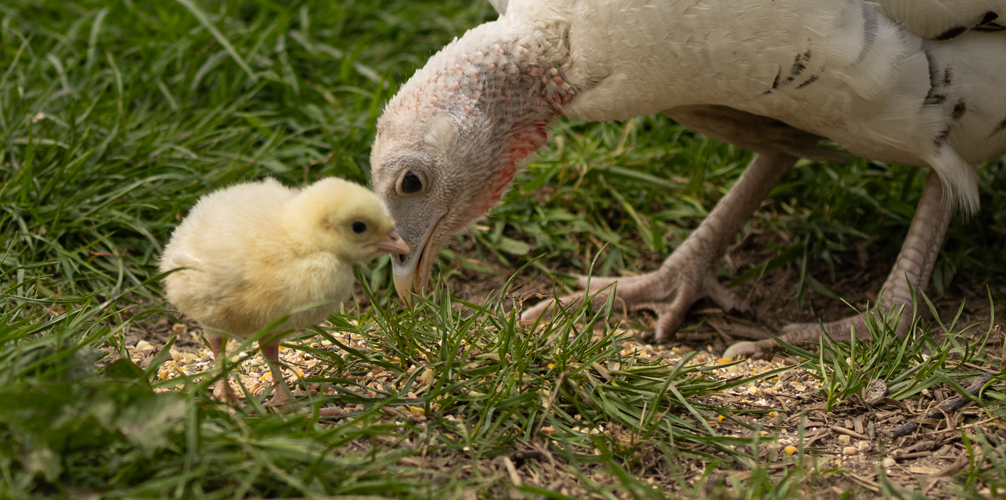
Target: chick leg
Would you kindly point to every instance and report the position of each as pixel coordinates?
(914, 265)
(282, 395)
(224, 392)
(689, 273)
(281, 392)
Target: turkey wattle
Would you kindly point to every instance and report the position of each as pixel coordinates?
(772, 76)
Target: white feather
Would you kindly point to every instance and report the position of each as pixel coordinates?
(854, 71)
(935, 19)
(842, 69)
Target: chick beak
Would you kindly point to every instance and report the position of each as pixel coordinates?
(393, 245)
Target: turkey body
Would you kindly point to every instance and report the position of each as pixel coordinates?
(841, 70)
(915, 82)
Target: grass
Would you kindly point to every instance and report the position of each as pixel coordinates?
(906, 366)
(116, 116)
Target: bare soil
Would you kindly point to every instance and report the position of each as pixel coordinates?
(852, 440)
(924, 461)
(771, 297)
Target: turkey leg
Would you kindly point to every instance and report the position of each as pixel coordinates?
(689, 273)
(914, 265)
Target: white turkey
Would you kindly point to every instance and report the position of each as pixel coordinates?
(901, 81)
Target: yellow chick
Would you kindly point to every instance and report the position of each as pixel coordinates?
(252, 253)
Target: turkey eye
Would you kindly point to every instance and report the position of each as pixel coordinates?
(411, 183)
(359, 227)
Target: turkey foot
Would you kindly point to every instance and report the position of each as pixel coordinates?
(912, 269)
(670, 291)
(688, 273)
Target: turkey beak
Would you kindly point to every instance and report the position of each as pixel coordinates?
(412, 271)
(394, 245)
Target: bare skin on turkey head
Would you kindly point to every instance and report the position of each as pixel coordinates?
(774, 77)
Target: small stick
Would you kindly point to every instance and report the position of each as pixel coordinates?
(949, 405)
(848, 432)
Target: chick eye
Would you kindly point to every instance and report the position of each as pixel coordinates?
(411, 183)
(359, 227)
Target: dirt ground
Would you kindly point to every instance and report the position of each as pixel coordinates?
(771, 297)
(854, 436)
(853, 439)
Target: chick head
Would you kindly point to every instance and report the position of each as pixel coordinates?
(344, 218)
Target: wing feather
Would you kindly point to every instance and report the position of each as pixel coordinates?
(946, 19)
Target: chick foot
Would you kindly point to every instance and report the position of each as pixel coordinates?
(282, 399)
(281, 391)
(913, 268)
(688, 274)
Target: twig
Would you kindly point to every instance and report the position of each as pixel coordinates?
(865, 482)
(957, 466)
(512, 471)
(809, 440)
(969, 426)
(949, 471)
(949, 405)
(848, 432)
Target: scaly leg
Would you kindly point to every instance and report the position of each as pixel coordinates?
(915, 263)
(689, 273)
(217, 345)
(282, 394)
